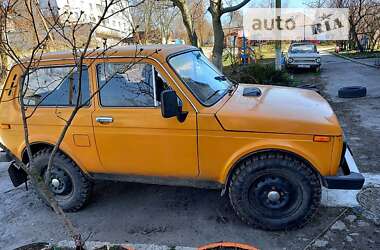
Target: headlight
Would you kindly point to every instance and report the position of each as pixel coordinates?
(318, 60)
(290, 60)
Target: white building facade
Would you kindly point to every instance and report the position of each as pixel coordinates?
(117, 26)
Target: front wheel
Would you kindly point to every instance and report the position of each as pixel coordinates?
(274, 191)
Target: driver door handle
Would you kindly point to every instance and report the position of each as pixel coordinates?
(104, 119)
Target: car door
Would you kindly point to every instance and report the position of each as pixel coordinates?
(51, 94)
(131, 135)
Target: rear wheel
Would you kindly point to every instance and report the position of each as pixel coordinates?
(69, 185)
(274, 191)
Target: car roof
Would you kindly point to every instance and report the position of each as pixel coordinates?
(160, 52)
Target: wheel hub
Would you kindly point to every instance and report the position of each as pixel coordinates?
(271, 192)
(60, 183)
(55, 183)
(274, 196)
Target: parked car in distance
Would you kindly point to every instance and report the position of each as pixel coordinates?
(303, 56)
(170, 117)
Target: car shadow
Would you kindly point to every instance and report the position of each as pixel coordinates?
(141, 213)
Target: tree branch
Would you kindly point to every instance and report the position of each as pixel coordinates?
(235, 7)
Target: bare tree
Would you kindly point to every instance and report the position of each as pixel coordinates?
(371, 28)
(362, 14)
(316, 3)
(165, 13)
(202, 25)
(66, 28)
(144, 16)
(3, 56)
(182, 5)
(217, 11)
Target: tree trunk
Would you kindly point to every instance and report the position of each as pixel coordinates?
(186, 18)
(217, 10)
(357, 41)
(351, 42)
(3, 60)
(217, 51)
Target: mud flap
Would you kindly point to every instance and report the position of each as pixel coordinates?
(17, 175)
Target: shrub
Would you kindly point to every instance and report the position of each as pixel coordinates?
(259, 74)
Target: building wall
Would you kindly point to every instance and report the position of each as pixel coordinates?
(116, 27)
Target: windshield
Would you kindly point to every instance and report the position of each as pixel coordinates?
(303, 48)
(203, 79)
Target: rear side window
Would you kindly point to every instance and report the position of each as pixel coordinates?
(56, 86)
(126, 85)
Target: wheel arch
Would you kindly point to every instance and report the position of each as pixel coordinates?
(39, 145)
(35, 147)
(263, 151)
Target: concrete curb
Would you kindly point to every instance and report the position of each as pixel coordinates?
(354, 60)
(90, 245)
(347, 198)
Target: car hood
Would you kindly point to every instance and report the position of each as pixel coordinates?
(279, 110)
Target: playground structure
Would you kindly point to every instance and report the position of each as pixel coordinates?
(240, 47)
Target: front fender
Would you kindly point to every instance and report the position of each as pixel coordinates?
(319, 158)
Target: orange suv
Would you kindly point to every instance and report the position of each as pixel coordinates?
(172, 118)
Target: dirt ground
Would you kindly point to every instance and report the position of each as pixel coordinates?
(174, 216)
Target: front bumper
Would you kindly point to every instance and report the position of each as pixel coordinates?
(350, 179)
(303, 65)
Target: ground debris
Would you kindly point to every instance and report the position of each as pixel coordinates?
(351, 218)
(320, 243)
(339, 225)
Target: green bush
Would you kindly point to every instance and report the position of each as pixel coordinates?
(259, 74)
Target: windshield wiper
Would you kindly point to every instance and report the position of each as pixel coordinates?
(220, 78)
(212, 95)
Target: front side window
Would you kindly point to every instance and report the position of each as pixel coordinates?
(203, 79)
(126, 85)
(55, 86)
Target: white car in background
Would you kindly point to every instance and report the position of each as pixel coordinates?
(303, 55)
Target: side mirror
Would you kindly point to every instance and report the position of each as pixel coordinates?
(170, 105)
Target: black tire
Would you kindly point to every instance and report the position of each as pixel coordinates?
(352, 92)
(74, 188)
(297, 187)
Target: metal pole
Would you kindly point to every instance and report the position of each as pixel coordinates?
(278, 41)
